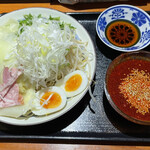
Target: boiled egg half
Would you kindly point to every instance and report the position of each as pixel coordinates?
(74, 83)
(49, 100)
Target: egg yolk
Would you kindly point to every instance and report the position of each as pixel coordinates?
(54, 101)
(73, 83)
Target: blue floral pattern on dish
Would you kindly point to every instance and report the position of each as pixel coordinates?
(129, 13)
(145, 36)
(102, 23)
(118, 13)
(106, 41)
(133, 48)
(138, 18)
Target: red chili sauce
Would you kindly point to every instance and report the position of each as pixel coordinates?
(124, 72)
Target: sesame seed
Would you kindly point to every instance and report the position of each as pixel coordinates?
(136, 89)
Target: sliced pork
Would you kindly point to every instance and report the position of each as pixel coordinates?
(9, 89)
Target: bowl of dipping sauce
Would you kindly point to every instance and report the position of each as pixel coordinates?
(124, 28)
(127, 86)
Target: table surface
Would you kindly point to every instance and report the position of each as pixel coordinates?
(11, 5)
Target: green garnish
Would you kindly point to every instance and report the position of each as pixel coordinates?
(27, 20)
(54, 18)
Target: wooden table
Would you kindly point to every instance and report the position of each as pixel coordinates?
(8, 6)
(81, 7)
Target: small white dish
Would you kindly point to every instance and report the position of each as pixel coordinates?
(136, 37)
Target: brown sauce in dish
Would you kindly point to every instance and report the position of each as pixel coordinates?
(122, 33)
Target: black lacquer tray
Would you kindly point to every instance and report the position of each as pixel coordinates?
(89, 122)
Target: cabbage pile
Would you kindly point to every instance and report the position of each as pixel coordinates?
(48, 49)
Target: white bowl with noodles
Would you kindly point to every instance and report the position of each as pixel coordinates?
(124, 28)
(81, 33)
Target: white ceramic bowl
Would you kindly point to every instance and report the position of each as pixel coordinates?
(82, 34)
(131, 14)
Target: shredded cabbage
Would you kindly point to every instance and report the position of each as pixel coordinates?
(48, 49)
